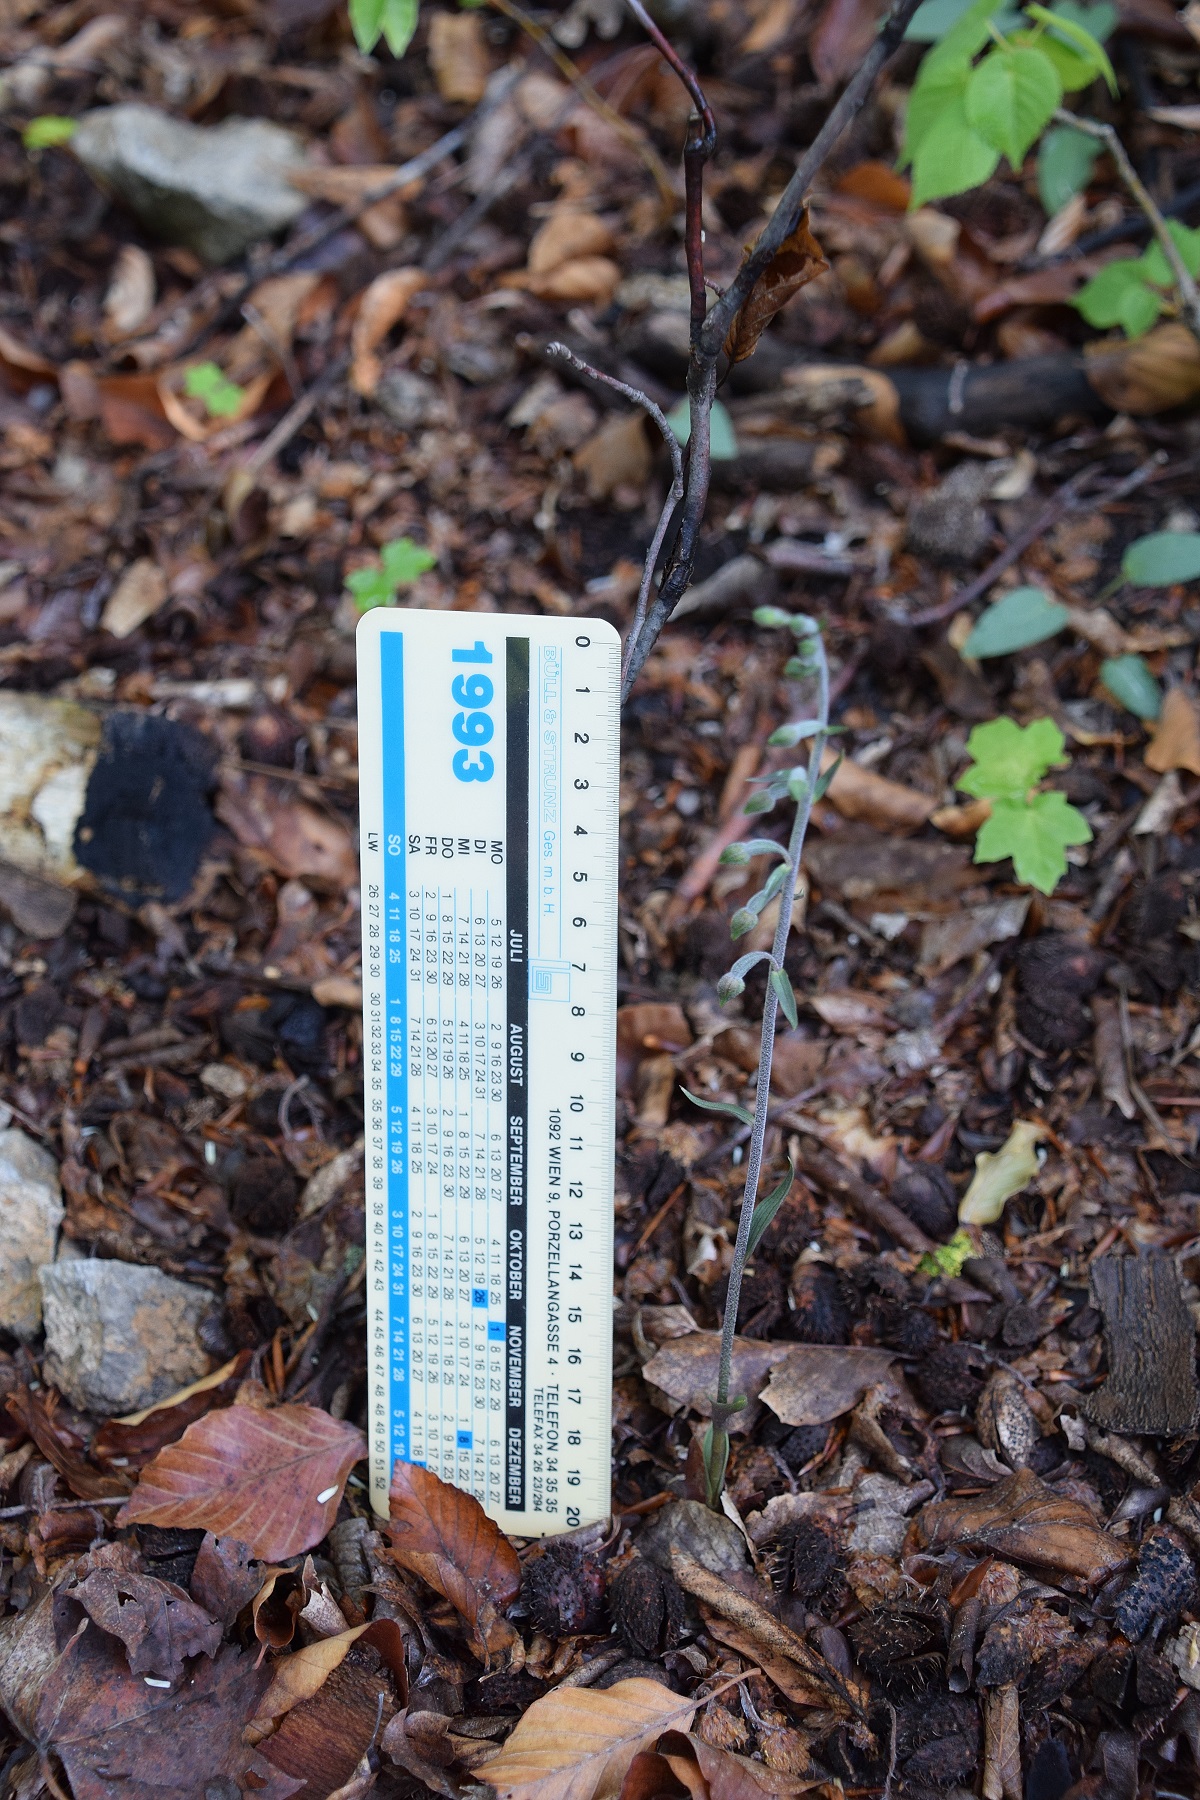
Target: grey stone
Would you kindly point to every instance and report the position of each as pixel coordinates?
(120, 1336)
(218, 189)
(31, 1211)
(950, 524)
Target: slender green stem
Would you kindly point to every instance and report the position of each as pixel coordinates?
(1189, 294)
(722, 1409)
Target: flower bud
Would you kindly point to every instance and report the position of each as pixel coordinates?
(729, 987)
(742, 921)
(735, 856)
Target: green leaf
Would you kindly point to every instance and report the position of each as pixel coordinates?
(721, 1106)
(1063, 23)
(934, 19)
(1099, 21)
(393, 20)
(1162, 559)
(965, 39)
(788, 736)
(825, 781)
(951, 156)
(714, 1451)
(771, 618)
(1010, 759)
(722, 439)
(738, 855)
(366, 22)
(1129, 681)
(1010, 98)
(948, 1258)
(1035, 834)
(1155, 266)
(48, 131)
(209, 384)
(370, 587)
(928, 101)
(403, 561)
(1023, 617)
(785, 994)
(1118, 295)
(1065, 162)
(766, 1209)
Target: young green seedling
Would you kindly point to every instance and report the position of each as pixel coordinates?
(1032, 827)
(401, 562)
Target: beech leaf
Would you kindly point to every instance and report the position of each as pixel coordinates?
(445, 1537)
(273, 1479)
(1000, 1175)
(577, 1743)
(798, 260)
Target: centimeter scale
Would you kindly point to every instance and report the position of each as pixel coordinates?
(488, 755)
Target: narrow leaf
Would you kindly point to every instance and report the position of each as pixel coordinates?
(366, 22)
(1023, 617)
(785, 994)
(766, 1209)
(824, 781)
(788, 736)
(714, 1451)
(721, 1106)
(399, 23)
(1062, 24)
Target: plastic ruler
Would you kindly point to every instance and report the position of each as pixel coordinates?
(488, 757)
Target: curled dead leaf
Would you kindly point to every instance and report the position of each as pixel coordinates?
(383, 305)
(1027, 1522)
(577, 1743)
(1148, 374)
(298, 1678)
(798, 260)
(861, 794)
(1176, 740)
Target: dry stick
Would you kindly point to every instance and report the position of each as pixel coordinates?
(1066, 500)
(675, 494)
(1189, 295)
(709, 333)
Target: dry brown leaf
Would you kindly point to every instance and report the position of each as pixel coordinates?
(458, 56)
(818, 1382)
(577, 1743)
(568, 233)
(584, 281)
(685, 1369)
(1027, 1522)
(961, 821)
(136, 598)
(191, 418)
(843, 35)
(130, 297)
(22, 367)
(618, 455)
(301, 841)
(1176, 740)
(1148, 375)
(383, 305)
(273, 1479)
(717, 1774)
(273, 309)
(297, 1678)
(797, 261)
(801, 1689)
(888, 805)
(136, 1438)
(878, 183)
(445, 1537)
(1002, 1744)
(646, 1029)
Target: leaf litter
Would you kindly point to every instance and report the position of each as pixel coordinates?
(963, 1512)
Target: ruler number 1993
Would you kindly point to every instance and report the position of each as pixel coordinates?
(475, 727)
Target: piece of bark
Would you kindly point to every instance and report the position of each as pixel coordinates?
(1150, 1338)
(844, 1185)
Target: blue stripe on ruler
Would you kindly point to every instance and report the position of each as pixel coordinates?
(391, 670)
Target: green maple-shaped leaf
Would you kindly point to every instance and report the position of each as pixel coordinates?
(1119, 295)
(1010, 759)
(403, 561)
(1035, 834)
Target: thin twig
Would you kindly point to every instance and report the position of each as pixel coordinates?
(295, 417)
(675, 494)
(1189, 294)
(786, 217)
(1068, 498)
(709, 332)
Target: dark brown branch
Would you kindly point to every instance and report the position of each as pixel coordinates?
(708, 333)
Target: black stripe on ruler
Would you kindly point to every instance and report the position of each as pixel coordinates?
(517, 860)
